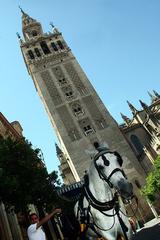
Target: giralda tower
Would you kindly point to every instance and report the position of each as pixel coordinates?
(76, 112)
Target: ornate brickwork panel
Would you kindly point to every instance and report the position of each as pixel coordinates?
(95, 113)
(69, 124)
(48, 60)
(57, 71)
(53, 92)
(75, 79)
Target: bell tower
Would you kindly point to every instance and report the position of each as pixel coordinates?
(76, 112)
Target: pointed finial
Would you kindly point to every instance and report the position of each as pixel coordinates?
(21, 9)
(143, 104)
(133, 109)
(58, 150)
(156, 94)
(18, 35)
(145, 107)
(151, 96)
(51, 24)
(125, 118)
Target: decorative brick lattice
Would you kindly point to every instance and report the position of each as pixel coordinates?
(75, 78)
(69, 124)
(53, 92)
(95, 113)
(49, 59)
(57, 71)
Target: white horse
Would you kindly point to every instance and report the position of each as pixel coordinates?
(100, 206)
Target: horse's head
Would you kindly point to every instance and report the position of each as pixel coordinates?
(109, 167)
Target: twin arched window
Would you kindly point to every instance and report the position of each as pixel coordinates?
(77, 109)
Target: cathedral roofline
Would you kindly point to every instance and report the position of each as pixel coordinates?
(127, 128)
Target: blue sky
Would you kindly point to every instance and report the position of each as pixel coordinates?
(117, 43)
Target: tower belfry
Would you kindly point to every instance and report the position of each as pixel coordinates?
(77, 114)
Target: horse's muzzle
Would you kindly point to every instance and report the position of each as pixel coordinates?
(125, 188)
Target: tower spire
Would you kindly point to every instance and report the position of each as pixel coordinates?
(30, 27)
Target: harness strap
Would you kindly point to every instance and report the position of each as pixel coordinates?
(101, 206)
(122, 224)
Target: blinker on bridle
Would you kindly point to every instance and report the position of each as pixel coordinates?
(106, 163)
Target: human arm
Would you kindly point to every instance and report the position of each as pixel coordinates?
(47, 217)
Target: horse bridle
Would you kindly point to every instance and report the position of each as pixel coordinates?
(99, 170)
(102, 206)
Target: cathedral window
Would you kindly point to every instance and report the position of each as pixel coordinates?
(45, 47)
(54, 46)
(30, 53)
(60, 44)
(38, 54)
(137, 144)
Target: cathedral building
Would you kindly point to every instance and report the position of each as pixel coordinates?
(142, 131)
(76, 112)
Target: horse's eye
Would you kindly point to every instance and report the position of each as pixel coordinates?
(106, 162)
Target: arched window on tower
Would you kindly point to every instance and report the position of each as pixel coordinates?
(54, 46)
(62, 81)
(60, 44)
(45, 47)
(68, 92)
(30, 53)
(38, 54)
(137, 144)
(86, 126)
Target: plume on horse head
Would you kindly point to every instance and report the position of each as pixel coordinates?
(101, 147)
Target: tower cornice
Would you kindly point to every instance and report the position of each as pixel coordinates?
(38, 38)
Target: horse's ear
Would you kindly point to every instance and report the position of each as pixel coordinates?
(119, 159)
